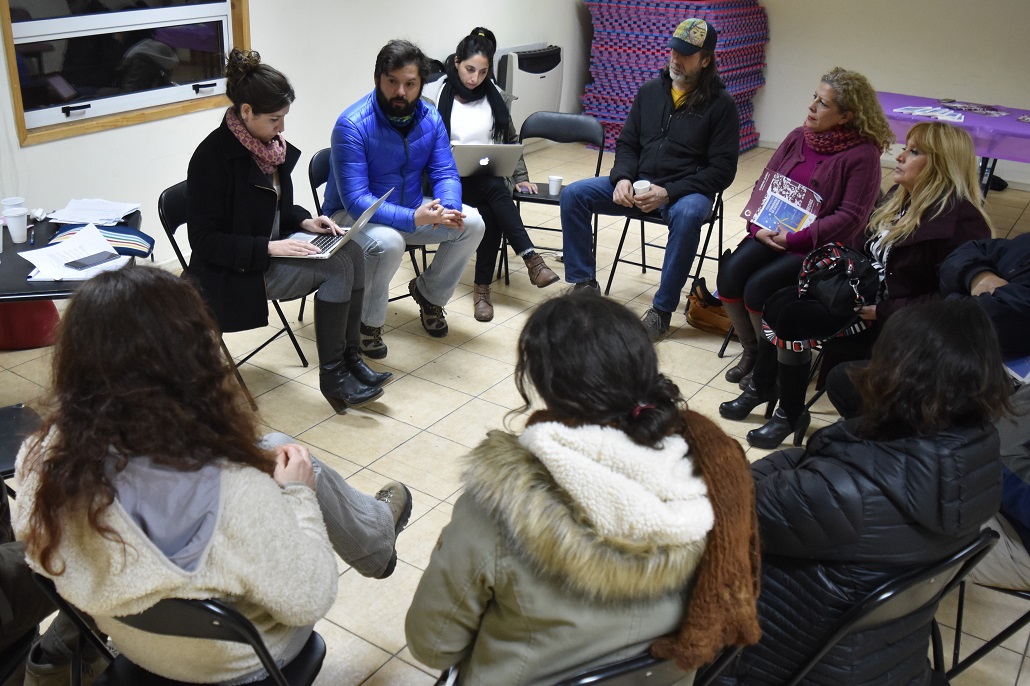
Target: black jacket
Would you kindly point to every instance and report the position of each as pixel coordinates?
(1009, 306)
(843, 517)
(231, 212)
(684, 151)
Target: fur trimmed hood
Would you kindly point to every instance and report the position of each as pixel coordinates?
(553, 533)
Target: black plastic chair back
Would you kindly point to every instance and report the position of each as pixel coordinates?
(903, 596)
(172, 209)
(318, 175)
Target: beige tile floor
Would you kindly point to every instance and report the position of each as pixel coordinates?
(446, 393)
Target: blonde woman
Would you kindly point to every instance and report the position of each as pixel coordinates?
(836, 152)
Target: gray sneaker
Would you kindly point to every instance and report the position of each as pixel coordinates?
(398, 498)
(372, 342)
(656, 322)
(433, 316)
(590, 286)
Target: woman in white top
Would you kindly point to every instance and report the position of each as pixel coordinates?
(475, 110)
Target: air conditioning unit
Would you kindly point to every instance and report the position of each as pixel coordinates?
(534, 78)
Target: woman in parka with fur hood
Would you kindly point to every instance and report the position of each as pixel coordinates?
(617, 518)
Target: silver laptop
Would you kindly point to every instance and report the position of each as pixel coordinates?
(329, 243)
(492, 160)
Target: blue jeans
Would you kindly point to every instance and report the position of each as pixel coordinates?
(582, 199)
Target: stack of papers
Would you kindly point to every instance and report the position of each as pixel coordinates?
(51, 261)
(942, 113)
(96, 211)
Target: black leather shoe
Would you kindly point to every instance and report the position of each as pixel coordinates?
(771, 434)
(745, 403)
(362, 372)
(342, 389)
(742, 368)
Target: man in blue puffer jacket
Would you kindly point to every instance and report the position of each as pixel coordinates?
(388, 140)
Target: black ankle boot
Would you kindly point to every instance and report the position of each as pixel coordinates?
(361, 371)
(747, 401)
(339, 386)
(743, 366)
(771, 434)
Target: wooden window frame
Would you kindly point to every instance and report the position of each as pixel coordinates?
(240, 19)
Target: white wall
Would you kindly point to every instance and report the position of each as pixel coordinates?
(327, 49)
(934, 48)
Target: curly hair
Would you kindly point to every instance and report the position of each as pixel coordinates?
(248, 80)
(138, 371)
(949, 177)
(936, 367)
(853, 93)
(591, 362)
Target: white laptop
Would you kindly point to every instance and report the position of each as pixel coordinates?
(491, 160)
(329, 243)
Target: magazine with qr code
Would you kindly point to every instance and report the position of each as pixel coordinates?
(778, 203)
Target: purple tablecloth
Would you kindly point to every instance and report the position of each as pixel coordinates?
(1003, 138)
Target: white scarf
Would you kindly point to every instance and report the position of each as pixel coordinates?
(626, 490)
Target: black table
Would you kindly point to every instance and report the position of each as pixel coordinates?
(14, 270)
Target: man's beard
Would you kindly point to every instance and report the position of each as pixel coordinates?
(684, 80)
(398, 107)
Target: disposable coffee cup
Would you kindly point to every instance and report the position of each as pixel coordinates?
(12, 202)
(641, 187)
(554, 185)
(17, 219)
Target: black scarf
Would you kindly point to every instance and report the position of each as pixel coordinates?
(454, 87)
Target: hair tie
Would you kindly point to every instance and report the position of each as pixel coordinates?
(481, 34)
(640, 408)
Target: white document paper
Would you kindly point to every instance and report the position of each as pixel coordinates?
(50, 261)
(95, 211)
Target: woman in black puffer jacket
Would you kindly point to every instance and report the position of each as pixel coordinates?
(906, 485)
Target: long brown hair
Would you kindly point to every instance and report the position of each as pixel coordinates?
(138, 371)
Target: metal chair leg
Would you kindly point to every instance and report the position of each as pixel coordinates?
(239, 377)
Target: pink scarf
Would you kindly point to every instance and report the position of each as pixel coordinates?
(267, 156)
(834, 140)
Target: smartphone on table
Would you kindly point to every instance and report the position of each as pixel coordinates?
(92, 260)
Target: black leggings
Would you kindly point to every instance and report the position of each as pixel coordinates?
(491, 196)
(754, 271)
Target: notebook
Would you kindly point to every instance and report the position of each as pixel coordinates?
(329, 243)
(492, 160)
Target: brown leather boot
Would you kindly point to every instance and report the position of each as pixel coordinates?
(483, 308)
(540, 275)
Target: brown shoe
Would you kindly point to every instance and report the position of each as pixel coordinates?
(540, 275)
(483, 308)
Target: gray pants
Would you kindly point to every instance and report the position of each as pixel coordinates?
(360, 528)
(334, 278)
(384, 248)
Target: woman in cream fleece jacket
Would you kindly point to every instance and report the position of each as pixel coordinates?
(579, 542)
(145, 483)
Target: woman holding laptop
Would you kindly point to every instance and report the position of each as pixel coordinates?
(241, 211)
(475, 110)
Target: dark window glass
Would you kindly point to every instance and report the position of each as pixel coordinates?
(104, 65)
(23, 11)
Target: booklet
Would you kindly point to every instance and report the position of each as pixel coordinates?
(1019, 369)
(779, 203)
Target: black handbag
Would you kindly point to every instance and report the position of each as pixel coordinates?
(843, 280)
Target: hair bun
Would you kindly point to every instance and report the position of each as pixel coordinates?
(240, 63)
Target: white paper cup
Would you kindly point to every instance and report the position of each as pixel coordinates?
(641, 187)
(12, 202)
(554, 185)
(17, 219)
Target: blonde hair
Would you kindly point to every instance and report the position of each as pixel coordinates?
(853, 93)
(948, 178)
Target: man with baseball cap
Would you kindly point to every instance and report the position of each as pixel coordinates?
(682, 135)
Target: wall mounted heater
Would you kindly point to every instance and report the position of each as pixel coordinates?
(534, 78)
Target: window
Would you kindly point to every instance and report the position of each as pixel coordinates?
(78, 66)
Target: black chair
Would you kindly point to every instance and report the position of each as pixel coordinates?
(909, 593)
(13, 659)
(958, 666)
(715, 216)
(171, 209)
(649, 670)
(557, 127)
(16, 423)
(318, 176)
(204, 619)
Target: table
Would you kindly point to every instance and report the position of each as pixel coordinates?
(994, 138)
(14, 270)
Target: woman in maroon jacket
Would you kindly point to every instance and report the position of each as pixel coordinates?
(836, 153)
